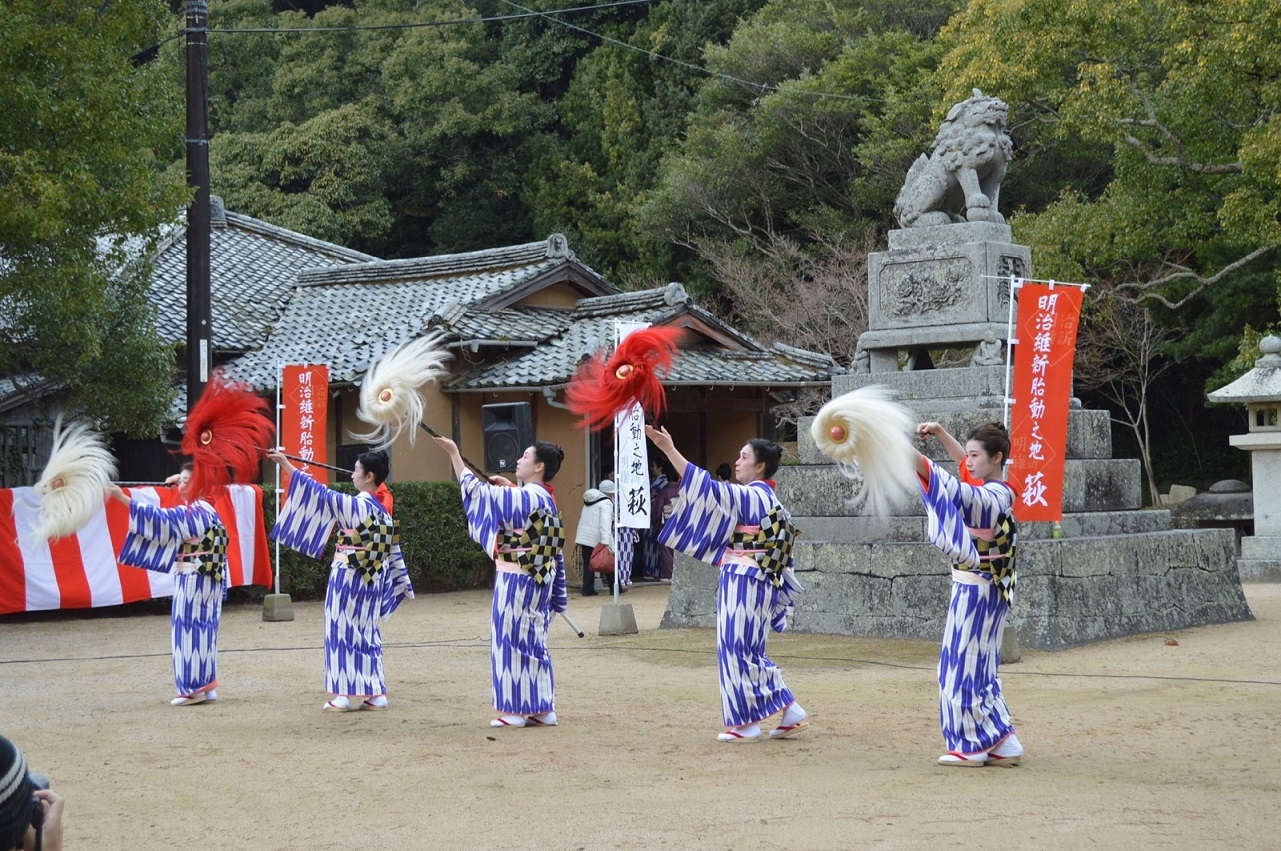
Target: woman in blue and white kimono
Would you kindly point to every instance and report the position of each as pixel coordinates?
(367, 581)
(744, 530)
(971, 521)
(189, 542)
(520, 529)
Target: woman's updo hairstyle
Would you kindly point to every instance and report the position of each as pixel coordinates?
(994, 438)
(767, 452)
(550, 456)
(375, 462)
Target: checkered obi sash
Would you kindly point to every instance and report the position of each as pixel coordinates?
(769, 545)
(208, 552)
(535, 547)
(367, 547)
(997, 547)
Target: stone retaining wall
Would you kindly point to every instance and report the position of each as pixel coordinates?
(1070, 591)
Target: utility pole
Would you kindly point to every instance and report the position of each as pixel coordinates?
(199, 334)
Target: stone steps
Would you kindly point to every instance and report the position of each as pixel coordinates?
(1089, 433)
(1088, 485)
(862, 529)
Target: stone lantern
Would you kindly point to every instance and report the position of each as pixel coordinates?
(1260, 390)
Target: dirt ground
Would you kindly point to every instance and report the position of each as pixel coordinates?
(1137, 743)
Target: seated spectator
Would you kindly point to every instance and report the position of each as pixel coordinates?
(30, 816)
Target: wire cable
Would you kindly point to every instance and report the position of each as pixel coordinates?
(528, 13)
(479, 643)
(760, 87)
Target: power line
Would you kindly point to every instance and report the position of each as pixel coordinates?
(528, 13)
(760, 87)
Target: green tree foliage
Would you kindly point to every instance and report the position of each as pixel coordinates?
(396, 141)
(325, 177)
(1180, 99)
(1183, 97)
(84, 146)
(804, 136)
(621, 111)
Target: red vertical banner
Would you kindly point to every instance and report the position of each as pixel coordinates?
(1046, 333)
(304, 416)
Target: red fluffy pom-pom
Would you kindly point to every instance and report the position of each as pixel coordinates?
(228, 431)
(634, 373)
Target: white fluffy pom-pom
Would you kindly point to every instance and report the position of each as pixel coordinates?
(390, 394)
(868, 435)
(72, 485)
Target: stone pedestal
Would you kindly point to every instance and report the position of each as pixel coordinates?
(941, 287)
(1265, 467)
(1010, 650)
(1260, 559)
(277, 607)
(617, 619)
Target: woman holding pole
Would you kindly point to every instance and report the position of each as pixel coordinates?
(367, 581)
(520, 529)
(742, 529)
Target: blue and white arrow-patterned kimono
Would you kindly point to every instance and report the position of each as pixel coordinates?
(972, 710)
(708, 520)
(523, 681)
(189, 542)
(367, 580)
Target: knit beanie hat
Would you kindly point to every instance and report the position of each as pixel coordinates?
(15, 796)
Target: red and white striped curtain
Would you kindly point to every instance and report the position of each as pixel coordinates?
(80, 571)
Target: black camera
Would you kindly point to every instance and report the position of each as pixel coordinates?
(38, 781)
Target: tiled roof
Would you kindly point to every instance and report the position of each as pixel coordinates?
(351, 315)
(19, 390)
(591, 326)
(512, 327)
(252, 264)
(445, 266)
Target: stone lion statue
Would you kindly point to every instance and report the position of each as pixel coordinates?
(960, 180)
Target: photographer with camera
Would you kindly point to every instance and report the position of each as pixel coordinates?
(30, 815)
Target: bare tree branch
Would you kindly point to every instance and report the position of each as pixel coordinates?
(1145, 289)
(1120, 354)
(811, 296)
(1180, 160)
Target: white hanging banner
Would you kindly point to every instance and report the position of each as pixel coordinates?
(631, 454)
(631, 460)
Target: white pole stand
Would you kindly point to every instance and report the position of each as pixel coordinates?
(277, 607)
(617, 619)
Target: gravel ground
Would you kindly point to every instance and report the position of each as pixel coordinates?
(1158, 741)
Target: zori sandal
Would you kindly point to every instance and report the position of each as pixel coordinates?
(751, 733)
(782, 731)
(508, 721)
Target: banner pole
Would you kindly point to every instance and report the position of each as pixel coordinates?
(1010, 341)
(280, 380)
(277, 606)
(619, 419)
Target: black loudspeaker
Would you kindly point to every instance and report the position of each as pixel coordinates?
(508, 433)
